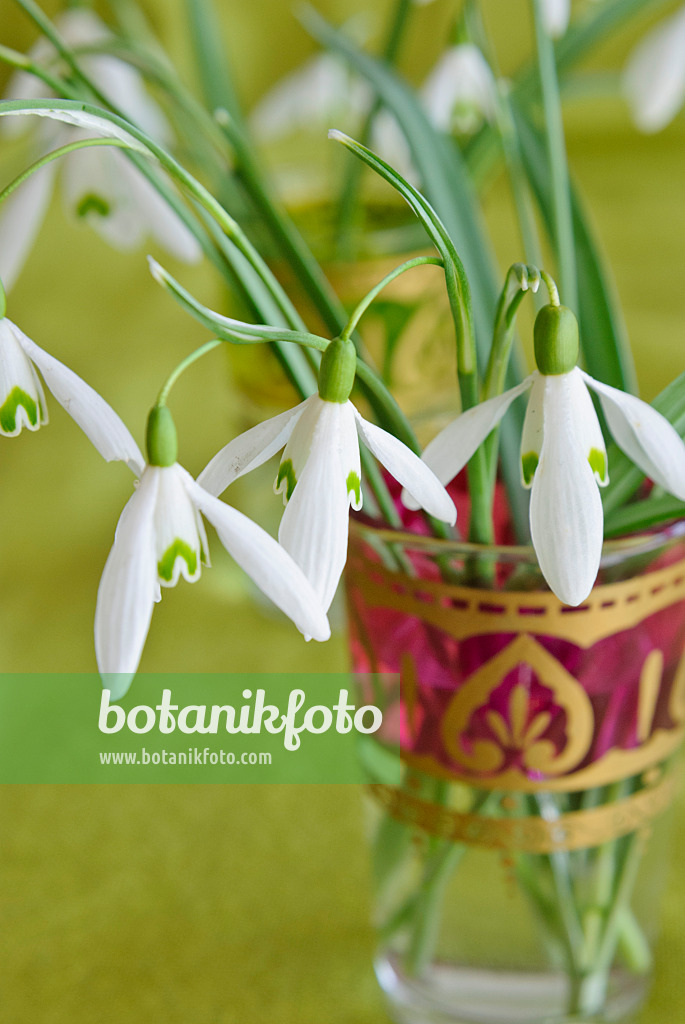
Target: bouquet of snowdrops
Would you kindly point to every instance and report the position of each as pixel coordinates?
(142, 158)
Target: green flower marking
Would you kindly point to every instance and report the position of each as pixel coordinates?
(354, 484)
(598, 463)
(529, 463)
(93, 204)
(286, 472)
(8, 412)
(179, 549)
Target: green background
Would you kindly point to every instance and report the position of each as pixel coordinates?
(238, 905)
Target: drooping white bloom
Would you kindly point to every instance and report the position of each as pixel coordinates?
(654, 77)
(100, 185)
(563, 459)
(556, 15)
(160, 537)
(319, 476)
(460, 92)
(320, 93)
(22, 399)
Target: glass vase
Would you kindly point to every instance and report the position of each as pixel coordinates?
(518, 863)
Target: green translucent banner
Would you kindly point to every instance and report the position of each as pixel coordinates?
(204, 728)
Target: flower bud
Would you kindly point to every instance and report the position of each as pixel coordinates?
(162, 442)
(556, 340)
(337, 370)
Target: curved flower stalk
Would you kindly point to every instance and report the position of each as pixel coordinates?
(460, 92)
(563, 456)
(319, 473)
(654, 77)
(101, 186)
(161, 537)
(22, 399)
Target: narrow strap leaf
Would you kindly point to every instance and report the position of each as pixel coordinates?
(603, 335)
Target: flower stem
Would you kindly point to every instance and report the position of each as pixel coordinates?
(209, 346)
(362, 306)
(556, 151)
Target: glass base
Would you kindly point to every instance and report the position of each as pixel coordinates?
(446, 994)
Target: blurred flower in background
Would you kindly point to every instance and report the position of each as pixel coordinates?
(654, 77)
(102, 187)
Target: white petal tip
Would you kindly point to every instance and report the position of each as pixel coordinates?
(410, 502)
(117, 683)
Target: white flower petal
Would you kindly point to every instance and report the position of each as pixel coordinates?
(265, 561)
(22, 400)
(645, 436)
(390, 142)
(654, 78)
(248, 451)
(566, 518)
(319, 93)
(128, 586)
(588, 428)
(165, 226)
(556, 15)
(179, 544)
(531, 435)
(95, 192)
(419, 481)
(350, 462)
(449, 452)
(315, 523)
(310, 422)
(120, 82)
(95, 417)
(21, 216)
(460, 91)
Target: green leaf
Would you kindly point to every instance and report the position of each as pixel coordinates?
(211, 59)
(236, 331)
(643, 515)
(447, 185)
(602, 332)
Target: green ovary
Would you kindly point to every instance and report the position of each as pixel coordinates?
(354, 484)
(93, 204)
(8, 412)
(286, 471)
(598, 463)
(529, 463)
(179, 549)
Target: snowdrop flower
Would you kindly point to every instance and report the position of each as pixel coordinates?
(160, 537)
(556, 15)
(563, 455)
(322, 91)
(100, 185)
(22, 399)
(460, 92)
(319, 474)
(654, 77)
